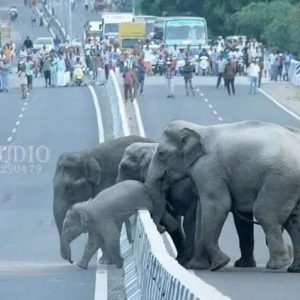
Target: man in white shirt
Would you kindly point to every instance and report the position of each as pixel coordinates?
(253, 74)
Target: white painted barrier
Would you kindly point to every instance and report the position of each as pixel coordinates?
(151, 273)
(294, 72)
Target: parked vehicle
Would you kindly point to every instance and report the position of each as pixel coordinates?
(13, 12)
(41, 41)
(78, 74)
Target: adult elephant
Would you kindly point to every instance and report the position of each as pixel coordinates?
(80, 176)
(182, 200)
(246, 166)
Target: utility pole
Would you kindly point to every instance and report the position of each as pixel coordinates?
(70, 21)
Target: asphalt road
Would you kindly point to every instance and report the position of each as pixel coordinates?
(50, 122)
(212, 106)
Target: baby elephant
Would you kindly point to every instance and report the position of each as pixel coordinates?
(102, 218)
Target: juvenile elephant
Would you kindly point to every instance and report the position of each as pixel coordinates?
(246, 166)
(82, 175)
(182, 200)
(102, 218)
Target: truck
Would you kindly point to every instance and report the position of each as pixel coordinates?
(130, 34)
(110, 24)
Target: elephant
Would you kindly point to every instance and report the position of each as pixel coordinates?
(248, 166)
(80, 176)
(182, 200)
(102, 218)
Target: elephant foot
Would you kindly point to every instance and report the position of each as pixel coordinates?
(294, 267)
(279, 263)
(119, 263)
(82, 265)
(202, 264)
(104, 260)
(219, 262)
(248, 262)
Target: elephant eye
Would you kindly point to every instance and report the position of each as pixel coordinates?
(161, 155)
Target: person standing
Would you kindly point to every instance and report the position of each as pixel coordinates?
(23, 80)
(170, 79)
(128, 83)
(4, 70)
(61, 69)
(29, 67)
(188, 75)
(86, 5)
(229, 74)
(141, 76)
(46, 70)
(221, 67)
(33, 19)
(53, 69)
(253, 74)
(28, 43)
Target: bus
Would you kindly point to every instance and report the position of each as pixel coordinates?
(181, 31)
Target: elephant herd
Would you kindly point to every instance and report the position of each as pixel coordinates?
(189, 181)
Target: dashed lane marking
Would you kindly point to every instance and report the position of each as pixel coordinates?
(201, 94)
(206, 100)
(9, 139)
(17, 123)
(210, 106)
(20, 116)
(14, 130)
(220, 119)
(215, 112)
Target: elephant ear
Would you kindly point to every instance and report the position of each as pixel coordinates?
(92, 170)
(144, 163)
(192, 147)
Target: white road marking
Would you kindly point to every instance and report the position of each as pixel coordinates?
(220, 119)
(198, 90)
(201, 94)
(14, 130)
(98, 114)
(25, 103)
(101, 280)
(23, 108)
(17, 123)
(101, 272)
(9, 139)
(280, 105)
(123, 114)
(210, 106)
(206, 100)
(215, 112)
(139, 119)
(20, 115)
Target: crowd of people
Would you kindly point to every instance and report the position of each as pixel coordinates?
(224, 59)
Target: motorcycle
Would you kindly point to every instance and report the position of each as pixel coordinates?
(78, 75)
(13, 13)
(203, 65)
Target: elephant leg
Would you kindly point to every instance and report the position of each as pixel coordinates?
(189, 223)
(128, 231)
(92, 245)
(111, 237)
(292, 226)
(211, 216)
(272, 210)
(178, 239)
(245, 231)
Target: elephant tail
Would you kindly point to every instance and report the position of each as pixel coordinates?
(241, 217)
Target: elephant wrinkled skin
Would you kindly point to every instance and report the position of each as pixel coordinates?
(102, 218)
(182, 200)
(82, 175)
(246, 166)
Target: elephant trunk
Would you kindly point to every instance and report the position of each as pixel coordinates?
(65, 250)
(155, 184)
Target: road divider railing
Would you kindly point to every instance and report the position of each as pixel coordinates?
(151, 273)
(53, 25)
(294, 72)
